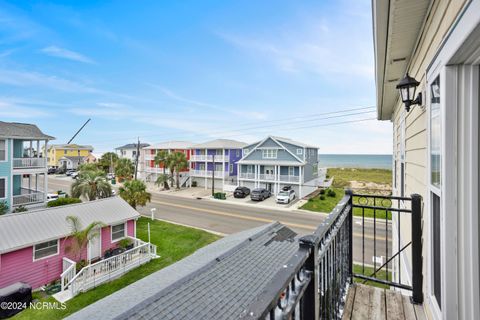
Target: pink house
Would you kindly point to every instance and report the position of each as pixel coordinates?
(33, 244)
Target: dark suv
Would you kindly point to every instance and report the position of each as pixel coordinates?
(260, 194)
(241, 192)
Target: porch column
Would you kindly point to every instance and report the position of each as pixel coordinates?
(206, 168)
(30, 153)
(38, 149)
(223, 170)
(300, 180)
(45, 185)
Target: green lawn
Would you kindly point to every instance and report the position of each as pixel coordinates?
(173, 243)
(326, 205)
(342, 177)
(357, 268)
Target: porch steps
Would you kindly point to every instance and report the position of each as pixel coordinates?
(63, 296)
(368, 302)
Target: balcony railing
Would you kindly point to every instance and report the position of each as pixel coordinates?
(208, 174)
(156, 170)
(209, 157)
(270, 177)
(23, 163)
(314, 283)
(28, 198)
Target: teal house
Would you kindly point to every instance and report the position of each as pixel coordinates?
(23, 167)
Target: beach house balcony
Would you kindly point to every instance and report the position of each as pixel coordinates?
(28, 189)
(208, 173)
(325, 278)
(27, 154)
(208, 158)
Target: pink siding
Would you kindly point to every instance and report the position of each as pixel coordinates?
(19, 265)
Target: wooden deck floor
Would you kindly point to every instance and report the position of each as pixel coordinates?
(367, 302)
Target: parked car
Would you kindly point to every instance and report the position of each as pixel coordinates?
(287, 188)
(74, 175)
(285, 196)
(70, 171)
(241, 192)
(52, 197)
(260, 194)
(51, 170)
(110, 176)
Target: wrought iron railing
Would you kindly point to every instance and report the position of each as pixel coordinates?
(314, 283)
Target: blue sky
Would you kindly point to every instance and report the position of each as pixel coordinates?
(192, 70)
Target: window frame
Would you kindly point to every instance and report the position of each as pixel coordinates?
(45, 257)
(269, 153)
(124, 232)
(5, 188)
(6, 150)
(299, 151)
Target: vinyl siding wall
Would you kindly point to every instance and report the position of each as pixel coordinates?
(439, 20)
(19, 265)
(6, 172)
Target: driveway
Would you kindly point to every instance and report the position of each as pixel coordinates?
(267, 203)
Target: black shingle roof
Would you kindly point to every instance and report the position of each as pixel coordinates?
(220, 281)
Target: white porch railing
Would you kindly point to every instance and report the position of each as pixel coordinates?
(29, 163)
(156, 170)
(110, 268)
(203, 157)
(208, 174)
(287, 178)
(69, 269)
(28, 198)
(270, 177)
(247, 175)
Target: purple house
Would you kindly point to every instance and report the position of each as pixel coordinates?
(215, 160)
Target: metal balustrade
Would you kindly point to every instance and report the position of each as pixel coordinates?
(28, 198)
(314, 283)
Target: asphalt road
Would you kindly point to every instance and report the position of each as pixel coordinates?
(226, 218)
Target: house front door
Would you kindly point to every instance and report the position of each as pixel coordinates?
(95, 246)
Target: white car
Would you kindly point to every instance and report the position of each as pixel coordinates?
(52, 197)
(110, 176)
(74, 175)
(285, 196)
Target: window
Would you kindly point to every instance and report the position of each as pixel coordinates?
(134, 153)
(238, 153)
(269, 153)
(435, 189)
(118, 232)
(245, 151)
(250, 169)
(45, 249)
(291, 171)
(231, 168)
(3, 150)
(2, 187)
(299, 151)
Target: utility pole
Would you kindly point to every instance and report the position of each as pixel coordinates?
(213, 174)
(136, 160)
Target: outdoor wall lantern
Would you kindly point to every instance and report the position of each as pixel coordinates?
(408, 86)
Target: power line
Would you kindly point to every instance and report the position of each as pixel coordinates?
(285, 121)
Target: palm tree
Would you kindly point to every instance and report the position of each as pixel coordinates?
(180, 162)
(163, 180)
(135, 193)
(164, 159)
(124, 168)
(80, 236)
(91, 185)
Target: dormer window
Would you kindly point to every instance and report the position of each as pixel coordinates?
(245, 151)
(299, 152)
(269, 153)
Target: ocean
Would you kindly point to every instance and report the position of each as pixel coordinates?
(371, 161)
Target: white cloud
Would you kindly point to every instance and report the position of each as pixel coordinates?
(11, 110)
(63, 53)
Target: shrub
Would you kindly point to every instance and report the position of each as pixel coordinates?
(20, 209)
(80, 264)
(63, 202)
(331, 193)
(3, 207)
(124, 243)
(322, 197)
(322, 191)
(310, 200)
(220, 195)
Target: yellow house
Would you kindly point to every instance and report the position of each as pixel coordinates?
(58, 151)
